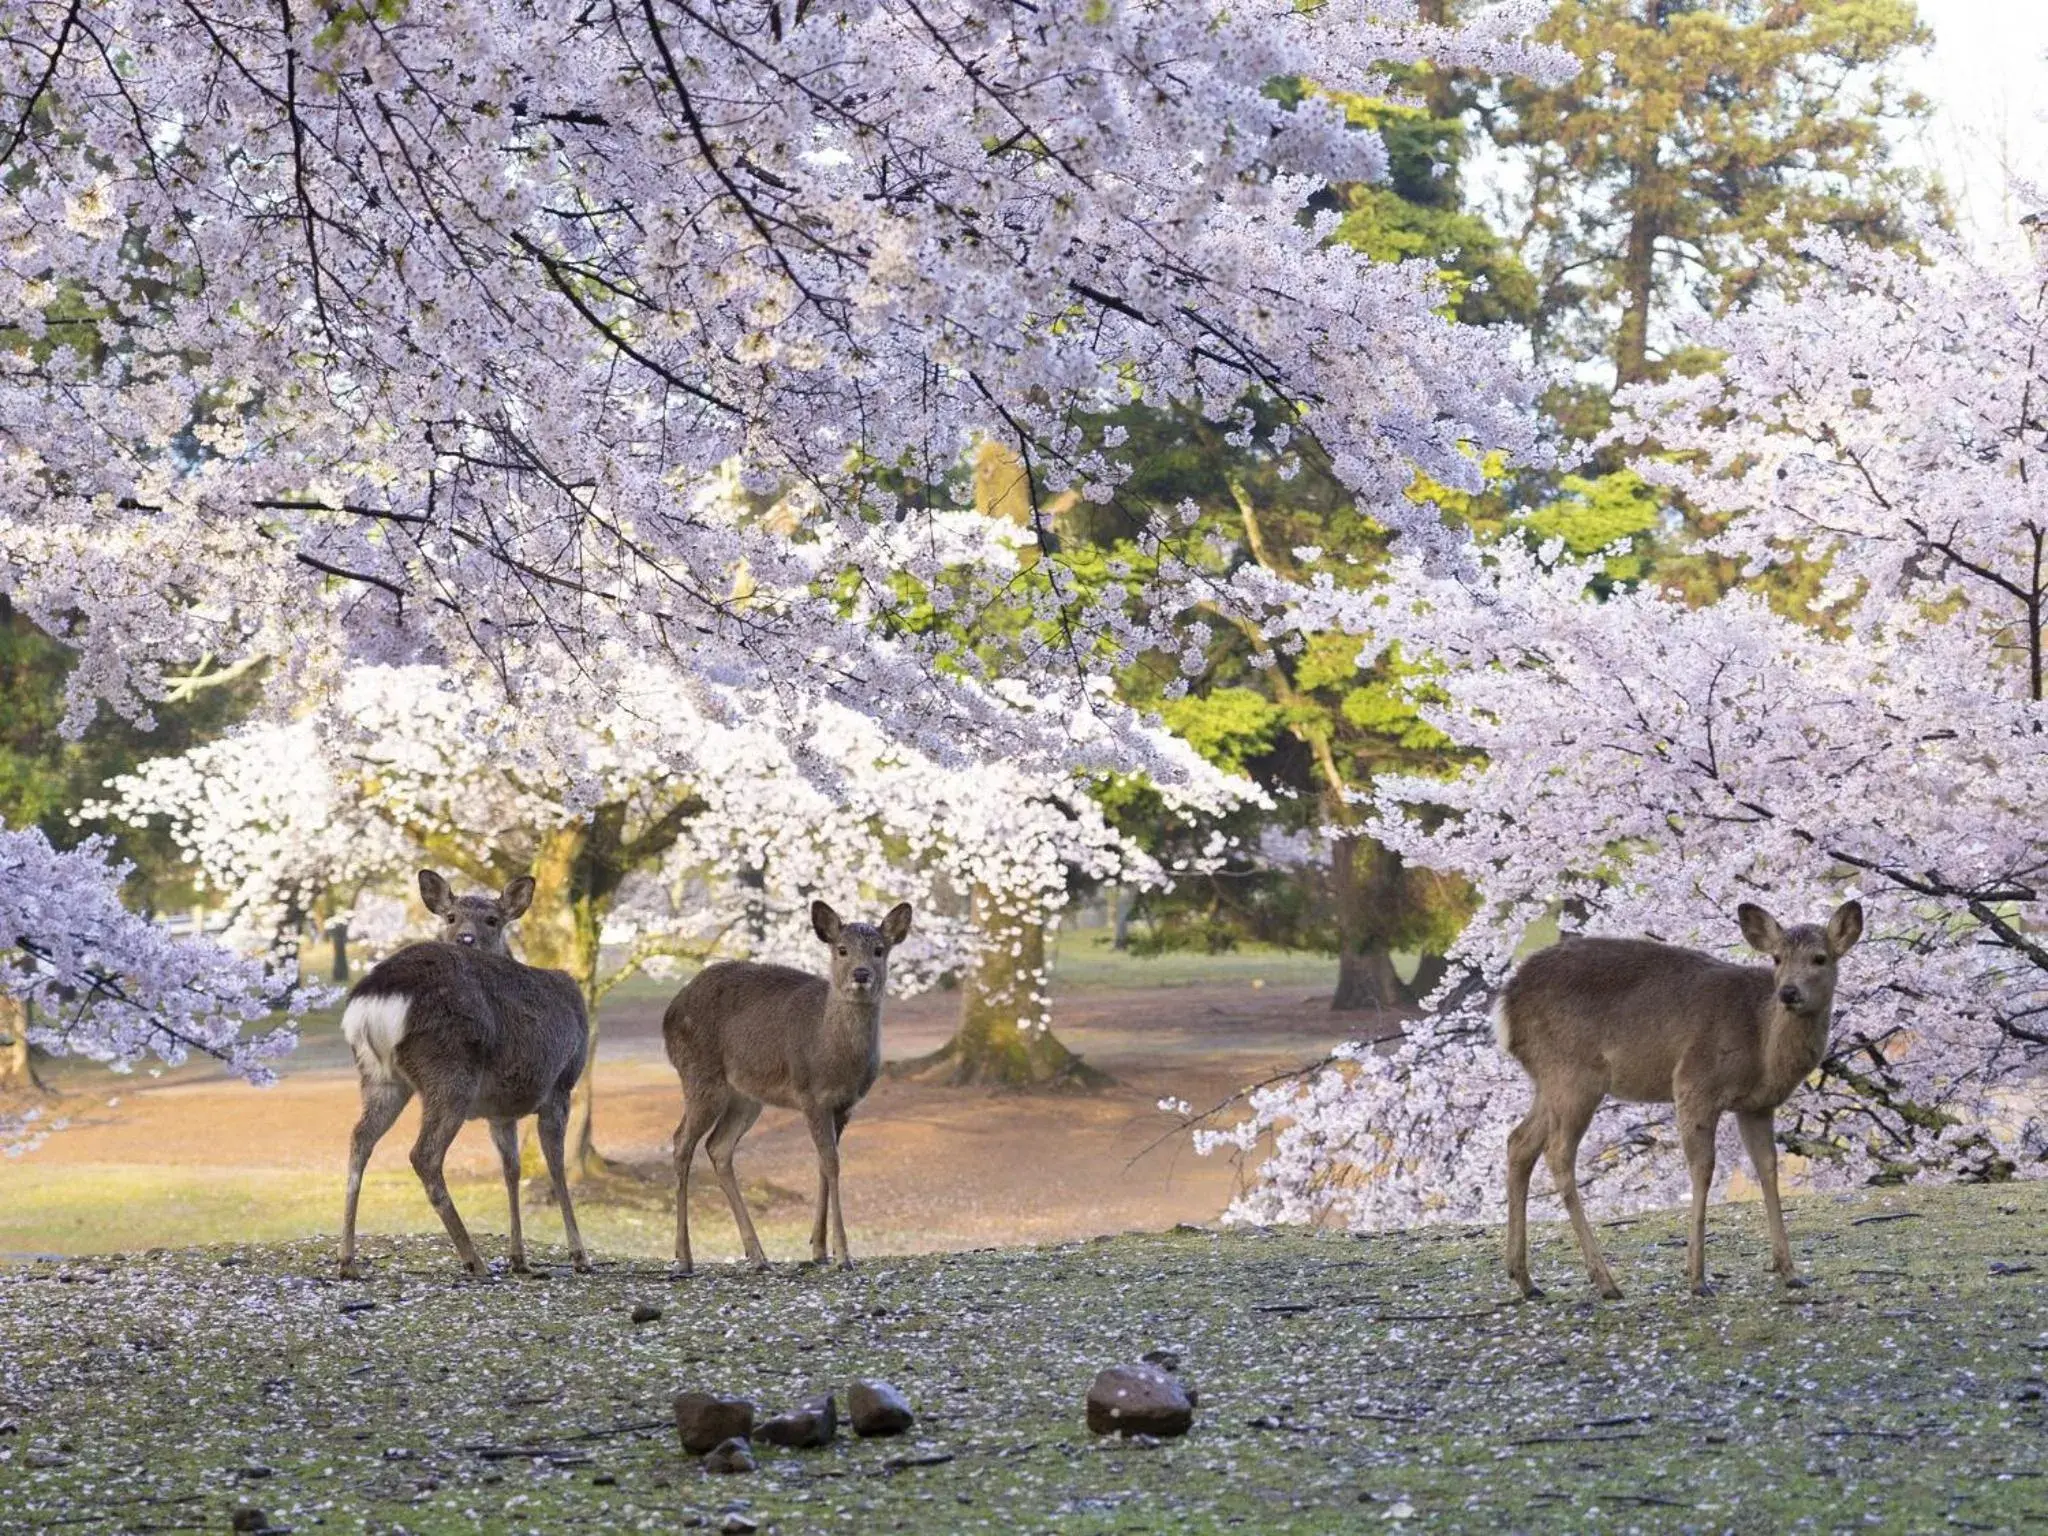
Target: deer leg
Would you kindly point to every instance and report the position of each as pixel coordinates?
(554, 1126)
(1567, 1127)
(1760, 1139)
(505, 1133)
(383, 1102)
(825, 1127)
(737, 1119)
(1525, 1146)
(825, 1193)
(1696, 1133)
(437, 1131)
(701, 1110)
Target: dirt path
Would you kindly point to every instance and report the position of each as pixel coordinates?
(927, 1168)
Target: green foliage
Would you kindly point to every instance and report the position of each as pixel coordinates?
(1701, 142)
(44, 777)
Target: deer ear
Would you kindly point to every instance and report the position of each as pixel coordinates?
(1845, 928)
(1761, 929)
(825, 921)
(896, 926)
(518, 897)
(434, 892)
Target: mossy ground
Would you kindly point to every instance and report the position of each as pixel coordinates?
(1345, 1384)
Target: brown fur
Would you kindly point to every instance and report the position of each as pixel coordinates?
(742, 1035)
(483, 1037)
(1655, 1024)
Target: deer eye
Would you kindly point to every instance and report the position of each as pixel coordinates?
(878, 951)
(842, 949)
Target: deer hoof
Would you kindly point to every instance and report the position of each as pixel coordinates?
(1531, 1291)
(580, 1262)
(1796, 1282)
(1706, 1288)
(758, 1266)
(1610, 1291)
(351, 1270)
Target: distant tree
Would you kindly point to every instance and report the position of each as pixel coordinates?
(1700, 143)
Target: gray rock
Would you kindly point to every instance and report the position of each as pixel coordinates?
(808, 1427)
(647, 1312)
(705, 1420)
(733, 1455)
(248, 1518)
(737, 1524)
(1139, 1400)
(876, 1408)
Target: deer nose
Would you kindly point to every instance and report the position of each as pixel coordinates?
(465, 938)
(862, 975)
(1788, 995)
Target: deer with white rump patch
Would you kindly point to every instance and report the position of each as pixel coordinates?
(1654, 1024)
(742, 1035)
(478, 1036)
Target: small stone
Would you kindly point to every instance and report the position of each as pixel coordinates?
(704, 1420)
(256, 1471)
(1144, 1442)
(733, 1455)
(249, 1518)
(1139, 1399)
(46, 1459)
(604, 1480)
(234, 1261)
(349, 1307)
(647, 1312)
(9, 1427)
(808, 1427)
(1165, 1359)
(876, 1408)
(737, 1524)
(397, 1453)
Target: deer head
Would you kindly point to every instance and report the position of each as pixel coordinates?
(1805, 954)
(860, 951)
(479, 920)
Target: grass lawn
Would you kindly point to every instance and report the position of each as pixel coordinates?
(1346, 1384)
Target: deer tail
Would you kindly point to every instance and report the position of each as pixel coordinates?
(373, 1026)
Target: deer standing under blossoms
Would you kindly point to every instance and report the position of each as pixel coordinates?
(478, 1036)
(1655, 1024)
(742, 1035)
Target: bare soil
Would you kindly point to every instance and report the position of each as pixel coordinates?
(927, 1168)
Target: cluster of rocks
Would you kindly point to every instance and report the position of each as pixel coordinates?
(723, 1430)
(1147, 1402)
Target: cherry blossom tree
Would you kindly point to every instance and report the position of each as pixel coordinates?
(656, 831)
(418, 333)
(1648, 766)
(106, 984)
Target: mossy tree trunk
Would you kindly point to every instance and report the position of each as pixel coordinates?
(1365, 881)
(1005, 1038)
(17, 1069)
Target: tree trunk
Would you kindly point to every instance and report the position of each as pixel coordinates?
(1365, 880)
(338, 933)
(17, 1070)
(1120, 918)
(1005, 1039)
(561, 931)
(1638, 271)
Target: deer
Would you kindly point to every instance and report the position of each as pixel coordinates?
(1651, 1023)
(477, 1035)
(743, 1034)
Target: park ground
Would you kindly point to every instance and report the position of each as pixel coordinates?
(195, 1157)
(1346, 1384)
(175, 1345)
